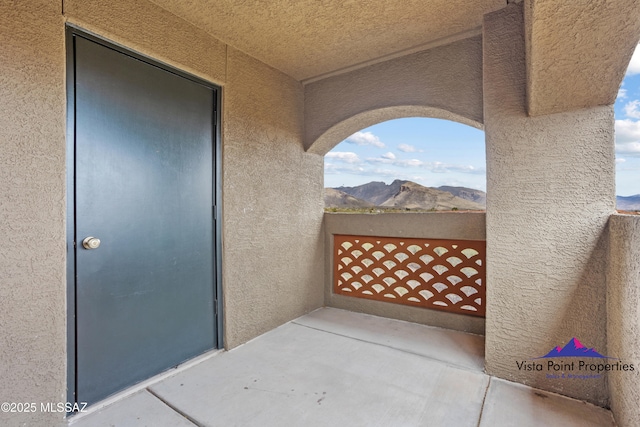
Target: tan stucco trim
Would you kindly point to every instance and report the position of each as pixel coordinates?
(349, 126)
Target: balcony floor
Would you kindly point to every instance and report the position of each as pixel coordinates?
(336, 368)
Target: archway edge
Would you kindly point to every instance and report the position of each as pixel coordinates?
(347, 127)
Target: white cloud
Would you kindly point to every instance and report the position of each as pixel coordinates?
(627, 130)
(330, 168)
(397, 162)
(388, 173)
(389, 156)
(439, 167)
(343, 156)
(374, 173)
(620, 160)
(632, 109)
(406, 148)
(622, 94)
(631, 149)
(365, 138)
(435, 167)
(413, 163)
(634, 64)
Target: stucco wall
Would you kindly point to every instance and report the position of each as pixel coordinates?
(272, 190)
(437, 225)
(623, 313)
(446, 78)
(550, 191)
(273, 244)
(32, 207)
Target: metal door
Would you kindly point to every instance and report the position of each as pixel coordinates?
(144, 187)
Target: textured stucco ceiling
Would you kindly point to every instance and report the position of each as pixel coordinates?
(310, 38)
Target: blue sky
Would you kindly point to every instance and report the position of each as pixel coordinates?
(627, 112)
(431, 152)
(435, 152)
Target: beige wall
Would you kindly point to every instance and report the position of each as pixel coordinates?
(32, 207)
(623, 314)
(443, 82)
(436, 225)
(272, 197)
(550, 191)
(273, 203)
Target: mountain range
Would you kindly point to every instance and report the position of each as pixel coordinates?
(629, 203)
(410, 195)
(405, 195)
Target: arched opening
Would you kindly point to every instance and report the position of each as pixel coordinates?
(334, 133)
(398, 167)
(411, 164)
(627, 131)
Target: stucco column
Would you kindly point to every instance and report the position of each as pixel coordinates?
(623, 305)
(550, 192)
(32, 211)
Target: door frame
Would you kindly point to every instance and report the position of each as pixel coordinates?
(71, 32)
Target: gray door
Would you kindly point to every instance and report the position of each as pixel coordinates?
(144, 188)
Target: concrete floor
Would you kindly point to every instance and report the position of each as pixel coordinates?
(338, 368)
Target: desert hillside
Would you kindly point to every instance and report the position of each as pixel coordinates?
(405, 195)
(338, 199)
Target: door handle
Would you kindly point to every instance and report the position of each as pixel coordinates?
(91, 243)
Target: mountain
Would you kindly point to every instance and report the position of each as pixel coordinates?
(339, 199)
(374, 192)
(415, 196)
(407, 194)
(472, 194)
(629, 203)
(574, 348)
